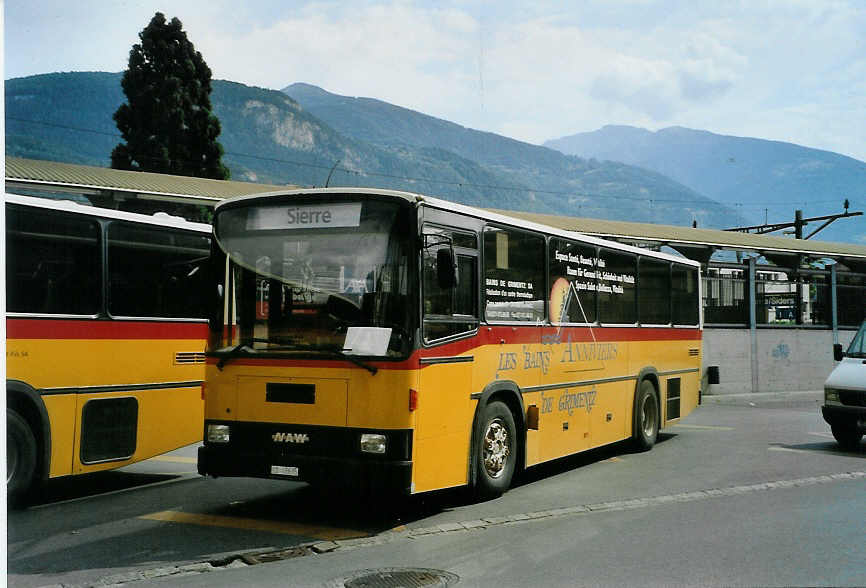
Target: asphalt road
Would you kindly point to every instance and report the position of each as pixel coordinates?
(745, 491)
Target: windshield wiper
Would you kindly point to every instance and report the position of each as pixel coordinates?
(285, 344)
(338, 352)
(226, 356)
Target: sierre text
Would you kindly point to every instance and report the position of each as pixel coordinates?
(299, 216)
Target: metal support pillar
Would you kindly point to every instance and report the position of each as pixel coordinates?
(834, 308)
(753, 329)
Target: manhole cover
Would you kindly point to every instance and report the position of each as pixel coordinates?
(397, 578)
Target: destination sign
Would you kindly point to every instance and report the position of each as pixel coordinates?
(321, 216)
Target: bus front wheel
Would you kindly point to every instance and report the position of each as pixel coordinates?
(20, 457)
(496, 451)
(646, 422)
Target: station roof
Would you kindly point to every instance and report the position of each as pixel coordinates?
(695, 243)
(86, 179)
(691, 241)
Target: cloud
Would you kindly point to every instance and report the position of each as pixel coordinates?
(790, 70)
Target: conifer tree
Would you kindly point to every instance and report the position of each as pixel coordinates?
(167, 123)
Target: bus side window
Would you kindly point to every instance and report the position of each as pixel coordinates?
(155, 272)
(50, 260)
(573, 282)
(684, 292)
(453, 310)
(515, 278)
(616, 287)
(654, 291)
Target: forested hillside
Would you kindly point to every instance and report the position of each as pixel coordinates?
(269, 137)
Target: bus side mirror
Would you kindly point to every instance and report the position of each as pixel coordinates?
(838, 354)
(446, 270)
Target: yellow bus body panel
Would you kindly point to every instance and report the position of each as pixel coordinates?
(444, 431)
(57, 363)
(350, 397)
(168, 417)
(584, 393)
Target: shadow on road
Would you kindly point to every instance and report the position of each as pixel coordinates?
(118, 531)
(831, 448)
(87, 485)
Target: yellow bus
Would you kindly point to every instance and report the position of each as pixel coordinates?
(105, 337)
(387, 340)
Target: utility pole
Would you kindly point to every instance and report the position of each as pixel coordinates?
(798, 224)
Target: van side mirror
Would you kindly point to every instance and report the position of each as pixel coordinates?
(838, 354)
(446, 269)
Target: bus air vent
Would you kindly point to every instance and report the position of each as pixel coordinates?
(673, 399)
(694, 352)
(188, 357)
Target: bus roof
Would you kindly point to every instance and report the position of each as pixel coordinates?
(160, 219)
(480, 213)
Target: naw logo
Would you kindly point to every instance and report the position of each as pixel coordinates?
(290, 438)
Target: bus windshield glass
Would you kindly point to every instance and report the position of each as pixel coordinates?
(323, 278)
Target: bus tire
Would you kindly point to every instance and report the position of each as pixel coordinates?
(496, 451)
(646, 421)
(20, 458)
(847, 436)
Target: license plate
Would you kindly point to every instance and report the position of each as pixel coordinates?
(284, 471)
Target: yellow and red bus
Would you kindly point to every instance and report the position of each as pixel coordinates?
(382, 339)
(105, 337)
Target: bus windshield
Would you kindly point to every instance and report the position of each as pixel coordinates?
(316, 278)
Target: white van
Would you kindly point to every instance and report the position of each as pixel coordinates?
(845, 392)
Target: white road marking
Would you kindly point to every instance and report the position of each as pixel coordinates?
(705, 427)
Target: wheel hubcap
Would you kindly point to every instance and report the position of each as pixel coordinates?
(648, 416)
(497, 448)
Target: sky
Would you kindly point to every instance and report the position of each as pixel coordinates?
(790, 70)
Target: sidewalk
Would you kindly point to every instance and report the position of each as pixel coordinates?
(799, 398)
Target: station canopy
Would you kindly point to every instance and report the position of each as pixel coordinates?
(35, 176)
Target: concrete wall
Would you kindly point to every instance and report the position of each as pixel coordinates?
(786, 359)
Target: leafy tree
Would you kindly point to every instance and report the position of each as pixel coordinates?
(167, 123)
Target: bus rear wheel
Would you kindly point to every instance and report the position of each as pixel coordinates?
(646, 422)
(496, 451)
(20, 457)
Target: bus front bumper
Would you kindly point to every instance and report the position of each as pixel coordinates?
(362, 475)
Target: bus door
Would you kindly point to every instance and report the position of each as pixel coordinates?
(450, 323)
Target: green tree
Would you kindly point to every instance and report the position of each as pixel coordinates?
(167, 124)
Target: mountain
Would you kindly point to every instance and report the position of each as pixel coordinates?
(564, 184)
(756, 173)
(268, 136)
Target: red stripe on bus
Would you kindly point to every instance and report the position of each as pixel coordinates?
(507, 335)
(39, 328)
(495, 336)
(408, 364)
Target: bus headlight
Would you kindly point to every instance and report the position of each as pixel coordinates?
(373, 443)
(831, 395)
(218, 434)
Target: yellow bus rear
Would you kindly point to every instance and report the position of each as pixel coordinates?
(105, 337)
